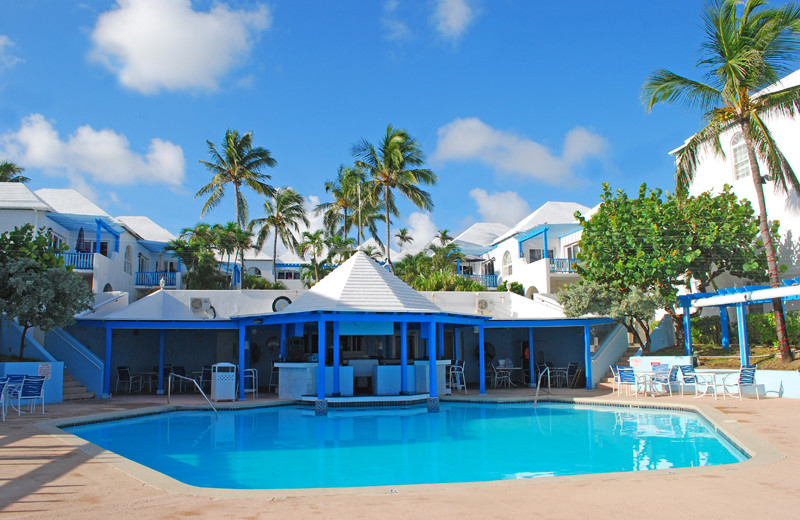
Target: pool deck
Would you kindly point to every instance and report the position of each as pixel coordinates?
(46, 476)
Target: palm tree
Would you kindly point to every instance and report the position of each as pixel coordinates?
(444, 236)
(243, 240)
(368, 217)
(225, 240)
(403, 237)
(285, 213)
(744, 51)
(10, 172)
(339, 249)
(390, 167)
(238, 164)
(314, 243)
(344, 190)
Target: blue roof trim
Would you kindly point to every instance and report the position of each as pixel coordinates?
(532, 233)
(74, 222)
(565, 322)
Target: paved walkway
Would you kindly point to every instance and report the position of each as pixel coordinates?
(43, 477)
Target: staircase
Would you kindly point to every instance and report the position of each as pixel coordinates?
(74, 390)
(608, 380)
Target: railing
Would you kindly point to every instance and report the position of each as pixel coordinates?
(487, 280)
(563, 265)
(169, 389)
(539, 384)
(79, 260)
(81, 362)
(152, 279)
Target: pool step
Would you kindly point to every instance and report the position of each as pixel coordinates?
(74, 390)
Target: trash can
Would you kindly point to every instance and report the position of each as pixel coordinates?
(223, 382)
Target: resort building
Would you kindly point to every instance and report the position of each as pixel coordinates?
(111, 254)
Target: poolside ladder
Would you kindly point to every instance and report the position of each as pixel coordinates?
(169, 390)
(539, 384)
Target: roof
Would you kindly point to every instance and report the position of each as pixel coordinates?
(15, 195)
(70, 201)
(146, 228)
(551, 212)
(481, 233)
(362, 285)
(498, 306)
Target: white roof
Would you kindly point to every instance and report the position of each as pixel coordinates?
(362, 285)
(481, 233)
(70, 202)
(15, 195)
(551, 212)
(146, 228)
(290, 257)
(498, 306)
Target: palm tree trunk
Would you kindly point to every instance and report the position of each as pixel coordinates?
(388, 228)
(344, 224)
(275, 258)
(769, 246)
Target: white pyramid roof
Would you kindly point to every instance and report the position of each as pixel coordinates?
(362, 285)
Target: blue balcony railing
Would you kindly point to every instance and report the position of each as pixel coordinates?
(487, 280)
(153, 279)
(563, 265)
(79, 260)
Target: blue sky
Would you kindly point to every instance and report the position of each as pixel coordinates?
(514, 102)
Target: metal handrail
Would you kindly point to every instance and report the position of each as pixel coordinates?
(169, 389)
(539, 384)
(94, 361)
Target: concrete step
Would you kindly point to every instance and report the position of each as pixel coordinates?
(78, 396)
(73, 390)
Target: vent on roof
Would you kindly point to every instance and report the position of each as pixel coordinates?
(200, 304)
(483, 306)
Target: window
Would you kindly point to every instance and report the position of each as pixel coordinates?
(128, 260)
(103, 248)
(572, 251)
(143, 263)
(537, 254)
(741, 163)
(506, 264)
(288, 275)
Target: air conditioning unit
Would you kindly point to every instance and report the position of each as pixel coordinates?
(483, 306)
(200, 304)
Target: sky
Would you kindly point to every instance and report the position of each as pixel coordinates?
(513, 102)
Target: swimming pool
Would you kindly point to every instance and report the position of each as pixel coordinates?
(288, 447)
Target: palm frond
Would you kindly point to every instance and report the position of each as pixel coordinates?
(664, 86)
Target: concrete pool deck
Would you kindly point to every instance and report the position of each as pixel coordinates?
(42, 476)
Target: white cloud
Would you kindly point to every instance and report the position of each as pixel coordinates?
(470, 139)
(452, 17)
(394, 28)
(421, 228)
(7, 60)
(505, 207)
(102, 154)
(164, 44)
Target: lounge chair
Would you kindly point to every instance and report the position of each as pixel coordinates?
(666, 378)
(251, 381)
(690, 377)
(628, 378)
(745, 377)
(124, 377)
(32, 390)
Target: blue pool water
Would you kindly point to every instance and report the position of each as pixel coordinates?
(289, 447)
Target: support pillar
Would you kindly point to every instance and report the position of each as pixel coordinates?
(744, 347)
(587, 359)
(107, 368)
(687, 329)
(481, 361)
(403, 358)
(532, 382)
(161, 347)
(240, 375)
(725, 326)
(321, 360)
(336, 391)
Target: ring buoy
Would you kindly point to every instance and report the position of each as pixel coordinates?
(280, 303)
(488, 352)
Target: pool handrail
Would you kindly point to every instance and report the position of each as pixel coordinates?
(539, 384)
(169, 389)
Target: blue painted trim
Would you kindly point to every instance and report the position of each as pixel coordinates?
(336, 391)
(532, 382)
(587, 356)
(566, 322)
(404, 357)
(687, 330)
(724, 323)
(240, 375)
(433, 391)
(533, 233)
(112, 231)
(321, 360)
(744, 347)
(481, 360)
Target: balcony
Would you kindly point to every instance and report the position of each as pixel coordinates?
(563, 265)
(487, 280)
(83, 261)
(153, 279)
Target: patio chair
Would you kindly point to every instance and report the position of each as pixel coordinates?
(204, 377)
(251, 381)
(456, 378)
(690, 377)
(665, 378)
(501, 377)
(3, 384)
(124, 377)
(32, 390)
(572, 374)
(615, 380)
(628, 378)
(273, 379)
(539, 369)
(179, 370)
(745, 377)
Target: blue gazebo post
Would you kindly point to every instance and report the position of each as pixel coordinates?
(433, 395)
(107, 371)
(687, 327)
(161, 345)
(532, 382)
(587, 361)
(724, 326)
(241, 361)
(481, 361)
(283, 342)
(403, 358)
(744, 347)
(321, 360)
(336, 391)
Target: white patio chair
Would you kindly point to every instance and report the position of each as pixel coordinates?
(745, 377)
(251, 381)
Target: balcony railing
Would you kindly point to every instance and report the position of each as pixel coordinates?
(487, 280)
(153, 279)
(79, 260)
(563, 265)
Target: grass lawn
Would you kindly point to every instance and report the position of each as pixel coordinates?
(714, 356)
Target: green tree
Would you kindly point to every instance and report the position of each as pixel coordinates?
(313, 243)
(39, 296)
(339, 249)
(284, 214)
(443, 236)
(10, 172)
(27, 242)
(391, 166)
(403, 237)
(196, 248)
(339, 214)
(748, 46)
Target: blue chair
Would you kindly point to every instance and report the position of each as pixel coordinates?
(746, 377)
(665, 377)
(32, 390)
(3, 384)
(628, 378)
(690, 377)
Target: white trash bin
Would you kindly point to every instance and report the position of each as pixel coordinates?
(223, 382)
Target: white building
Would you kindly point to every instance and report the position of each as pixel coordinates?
(111, 254)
